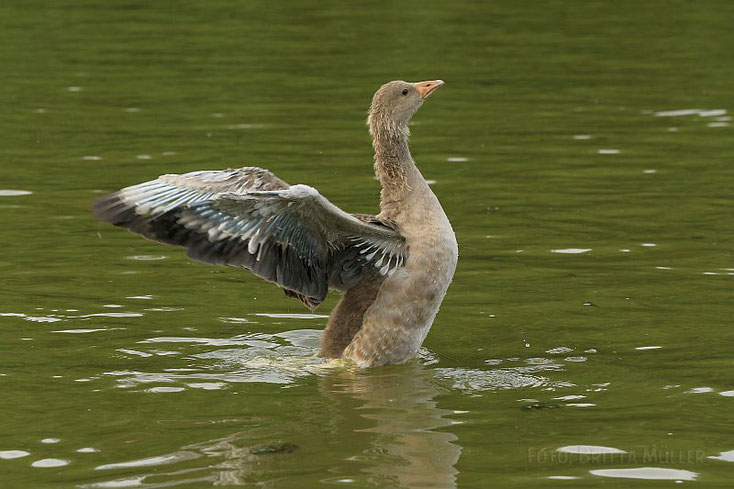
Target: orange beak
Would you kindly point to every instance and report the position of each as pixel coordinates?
(427, 87)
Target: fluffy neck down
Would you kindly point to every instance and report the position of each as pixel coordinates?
(393, 161)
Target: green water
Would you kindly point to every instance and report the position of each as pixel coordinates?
(552, 134)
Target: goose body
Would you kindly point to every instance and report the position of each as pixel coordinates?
(393, 268)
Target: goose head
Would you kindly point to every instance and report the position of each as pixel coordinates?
(394, 104)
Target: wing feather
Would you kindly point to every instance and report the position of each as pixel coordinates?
(248, 217)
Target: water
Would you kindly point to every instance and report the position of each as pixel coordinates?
(582, 150)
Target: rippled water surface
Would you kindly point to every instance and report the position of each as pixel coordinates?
(583, 151)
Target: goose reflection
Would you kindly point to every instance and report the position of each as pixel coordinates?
(399, 410)
(365, 428)
(384, 430)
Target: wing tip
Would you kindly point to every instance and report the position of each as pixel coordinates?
(112, 209)
(312, 303)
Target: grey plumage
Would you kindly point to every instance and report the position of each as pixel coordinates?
(248, 217)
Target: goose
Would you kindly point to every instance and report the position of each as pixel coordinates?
(393, 268)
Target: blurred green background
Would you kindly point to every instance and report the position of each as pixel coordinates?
(582, 150)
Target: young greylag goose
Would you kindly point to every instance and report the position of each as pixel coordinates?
(393, 268)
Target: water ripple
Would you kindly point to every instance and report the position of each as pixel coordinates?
(152, 461)
(11, 454)
(724, 456)
(14, 193)
(650, 473)
(589, 450)
(474, 380)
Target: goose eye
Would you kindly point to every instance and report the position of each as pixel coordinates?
(405, 91)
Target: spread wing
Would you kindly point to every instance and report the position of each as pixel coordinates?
(248, 217)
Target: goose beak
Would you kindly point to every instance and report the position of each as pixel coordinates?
(426, 88)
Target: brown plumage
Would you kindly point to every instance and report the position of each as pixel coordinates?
(393, 268)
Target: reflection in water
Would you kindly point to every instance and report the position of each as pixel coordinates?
(401, 407)
(379, 427)
(384, 422)
(376, 428)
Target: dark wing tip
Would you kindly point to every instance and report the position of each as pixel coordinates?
(114, 210)
(311, 302)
